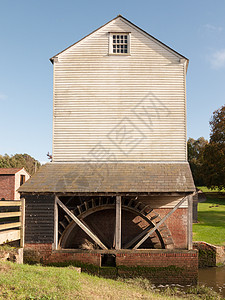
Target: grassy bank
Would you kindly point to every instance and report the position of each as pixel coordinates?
(204, 189)
(211, 219)
(45, 283)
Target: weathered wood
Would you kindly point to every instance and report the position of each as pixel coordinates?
(81, 225)
(10, 203)
(9, 236)
(10, 225)
(56, 225)
(159, 224)
(22, 221)
(39, 219)
(118, 223)
(10, 214)
(189, 223)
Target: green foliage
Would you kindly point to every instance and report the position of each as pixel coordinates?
(203, 292)
(214, 153)
(207, 160)
(217, 124)
(20, 161)
(195, 158)
(214, 165)
(204, 189)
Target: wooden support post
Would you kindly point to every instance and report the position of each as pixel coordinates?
(189, 222)
(22, 221)
(159, 224)
(81, 225)
(56, 219)
(118, 223)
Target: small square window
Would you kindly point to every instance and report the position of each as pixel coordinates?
(119, 43)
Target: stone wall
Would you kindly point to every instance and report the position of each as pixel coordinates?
(12, 254)
(209, 255)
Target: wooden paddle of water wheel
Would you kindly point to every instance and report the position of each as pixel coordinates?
(98, 214)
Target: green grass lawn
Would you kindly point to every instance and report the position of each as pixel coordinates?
(204, 189)
(211, 218)
(42, 283)
(37, 282)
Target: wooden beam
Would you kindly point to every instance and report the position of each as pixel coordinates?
(81, 225)
(189, 222)
(159, 224)
(10, 225)
(9, 236)
(118, 223)
(10, 214)
(10, 203)
(56, 224)
(22, 221)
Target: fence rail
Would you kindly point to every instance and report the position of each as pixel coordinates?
(11, 230)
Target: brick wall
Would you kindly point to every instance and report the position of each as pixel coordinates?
(159, 258)
(43, 253)
(177, 224)
(160, 266)
(207, 254)
(7, 187)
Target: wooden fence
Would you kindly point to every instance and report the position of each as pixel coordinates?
(12, 221)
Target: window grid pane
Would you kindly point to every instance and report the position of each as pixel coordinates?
(120, 43)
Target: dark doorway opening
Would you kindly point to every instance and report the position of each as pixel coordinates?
(108, 260)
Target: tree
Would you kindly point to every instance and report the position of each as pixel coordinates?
(195, 158)
(214, 153)
(25, 161)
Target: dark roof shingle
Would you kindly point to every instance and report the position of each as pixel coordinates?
(110, 178)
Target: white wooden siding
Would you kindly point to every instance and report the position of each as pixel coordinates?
(119, 108)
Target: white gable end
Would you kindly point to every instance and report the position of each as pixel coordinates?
(119, 107)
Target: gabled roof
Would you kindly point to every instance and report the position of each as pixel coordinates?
(11, 171)
(133, 25)
(110, 178)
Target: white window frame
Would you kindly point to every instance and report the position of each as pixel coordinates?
(111, 43)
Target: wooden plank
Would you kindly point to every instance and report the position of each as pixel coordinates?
(22, 221)
(118, 223)
(189, 227)
(56, 225)
(10, 214)
(127, 89)
(10, 203)
(159, 224)
(81, 225)
(10, 225)
(9, 236)
(40, 218)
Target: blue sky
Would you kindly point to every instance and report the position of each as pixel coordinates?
(33, 31)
